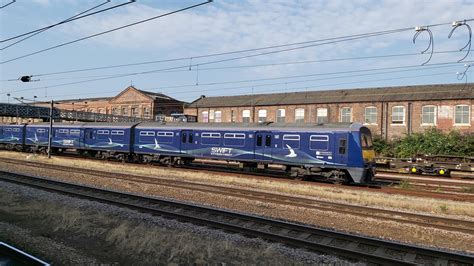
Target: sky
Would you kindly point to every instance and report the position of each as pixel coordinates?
(337, 47)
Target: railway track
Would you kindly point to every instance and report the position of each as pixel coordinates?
(429, 183)
(428, 221)
(331, 242)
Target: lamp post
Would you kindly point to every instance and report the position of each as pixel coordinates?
(34, 100)
(8, 95)
(50, 135)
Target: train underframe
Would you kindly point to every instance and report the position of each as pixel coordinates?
(302, 172)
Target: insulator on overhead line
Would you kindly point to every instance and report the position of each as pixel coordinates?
(25, 78)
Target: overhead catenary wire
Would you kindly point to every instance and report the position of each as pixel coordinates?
(7, 4)
(254, 65)
(238, 51)
(64, 21)
(224, 60)
(190, 65)
(372, 70)
(107, 31)
(296, 89)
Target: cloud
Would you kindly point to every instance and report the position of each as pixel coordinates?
(41, 2)
(230, 25)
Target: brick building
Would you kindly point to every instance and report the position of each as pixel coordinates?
(130, 102)
(388, 112)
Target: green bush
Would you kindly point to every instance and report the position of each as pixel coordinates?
(431, 142)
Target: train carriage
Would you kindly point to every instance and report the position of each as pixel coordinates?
(12, 136)
(108, 140)
(340, 153)
(65, 136)
(337, 152)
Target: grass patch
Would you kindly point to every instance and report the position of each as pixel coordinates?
(338, 194)
(405, 184)
(131, 241)
(468, 189)
(443, 208)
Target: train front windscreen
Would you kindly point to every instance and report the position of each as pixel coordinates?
(367, 146)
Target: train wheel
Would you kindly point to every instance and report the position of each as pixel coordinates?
(443, 172)
(415, 170)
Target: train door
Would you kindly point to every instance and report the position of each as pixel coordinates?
(89, 136)
(341, 148)
(263, 146)
(187, 141)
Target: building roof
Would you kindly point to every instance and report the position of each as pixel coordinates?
(381, 94)
(159, 97)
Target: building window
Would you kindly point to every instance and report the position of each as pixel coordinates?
(124, 111)
(246, 116)
(322, 115)
(233, 116)
(205, 117)
(299, 115)
(280, 116)
(428, 115)
(398, 115)
(134, 111)
(115, 111)
(370, 115)
(146, 112)
(217, 116)
(262, 116)
(211, 115)
(461, 114)
(346, 115)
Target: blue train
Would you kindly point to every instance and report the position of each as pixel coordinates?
(339, 153)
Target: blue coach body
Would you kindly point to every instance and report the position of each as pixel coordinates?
(12, 134)
(328, 147)
(333, 151)
(65, 136)
(108, 137)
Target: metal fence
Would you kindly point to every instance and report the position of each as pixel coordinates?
(28, 111)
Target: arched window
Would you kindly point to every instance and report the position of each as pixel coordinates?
(428, 115)
(398, 115)
(246, 116)
(299, 115)
(262, 115)
(370, 115)
(462, 115)
(205, 116)
(346, 115)
(280, 116)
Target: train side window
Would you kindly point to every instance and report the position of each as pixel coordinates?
(190, 140)
(259, 140)
(183, 137)
(268, 140)
(319, 142)
(342, 146)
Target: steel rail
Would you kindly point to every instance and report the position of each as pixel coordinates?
(429, 221)
(302, 236)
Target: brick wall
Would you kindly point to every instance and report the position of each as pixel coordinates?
(384, 125)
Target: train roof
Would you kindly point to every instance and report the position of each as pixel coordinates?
(89, 125)
(256, 126)
(216, 126)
